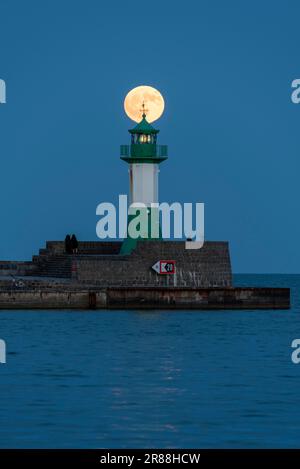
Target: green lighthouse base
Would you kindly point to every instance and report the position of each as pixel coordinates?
(145, 222)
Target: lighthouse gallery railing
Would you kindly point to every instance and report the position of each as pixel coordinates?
(160, 150)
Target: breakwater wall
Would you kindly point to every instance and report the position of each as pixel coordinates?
(147, 298)
(99, 263)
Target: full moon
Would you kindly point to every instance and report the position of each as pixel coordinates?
(150, 97)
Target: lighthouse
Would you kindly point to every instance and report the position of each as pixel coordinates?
(143, 156)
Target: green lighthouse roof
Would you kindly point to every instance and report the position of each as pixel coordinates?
(144, 127)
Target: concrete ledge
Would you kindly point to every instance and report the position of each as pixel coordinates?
(199, 298)
(148, 298)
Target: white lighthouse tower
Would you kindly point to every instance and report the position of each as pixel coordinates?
(143, 157)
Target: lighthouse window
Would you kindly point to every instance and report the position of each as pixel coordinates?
(144, 139)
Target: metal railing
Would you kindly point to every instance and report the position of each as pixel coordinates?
(160, 150)
(125, 150)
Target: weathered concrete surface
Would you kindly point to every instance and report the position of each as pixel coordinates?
(148, 298)
(52, 299)
(99, 263)
(16, 268)
(201, 298)
(206, 267)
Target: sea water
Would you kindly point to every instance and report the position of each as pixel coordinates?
(161, 379)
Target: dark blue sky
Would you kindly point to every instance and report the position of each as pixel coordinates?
(225, 70)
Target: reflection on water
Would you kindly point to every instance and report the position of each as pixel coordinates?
(152, 379)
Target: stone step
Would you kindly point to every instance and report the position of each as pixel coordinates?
(52, 265)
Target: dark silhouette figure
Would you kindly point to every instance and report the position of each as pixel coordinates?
(68, 247)
(74, 244)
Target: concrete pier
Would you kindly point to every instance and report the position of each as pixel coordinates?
(147, 298)
(99, 277)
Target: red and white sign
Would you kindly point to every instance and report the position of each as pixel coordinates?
(164, 267)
